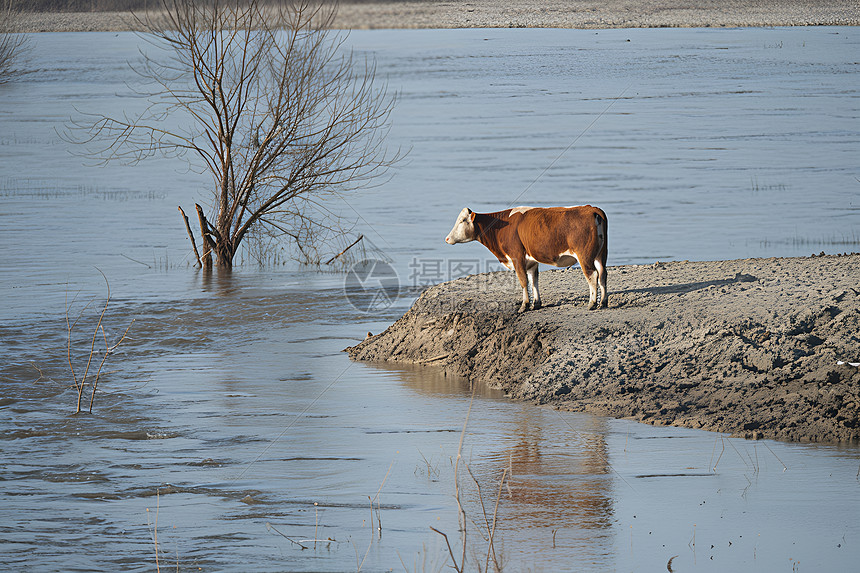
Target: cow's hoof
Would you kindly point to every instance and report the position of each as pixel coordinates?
(592, 306)
(536, 305)
(523, 308)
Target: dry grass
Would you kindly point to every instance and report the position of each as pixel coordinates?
(486, 530)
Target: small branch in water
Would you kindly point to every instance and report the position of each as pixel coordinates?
(99, 328)
(272, 527)
(450, 551)
(136, 261)
(191, 236)
(354, 243)
(93, 344)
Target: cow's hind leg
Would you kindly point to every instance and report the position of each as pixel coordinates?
(602, 271)
(591, 275)
(532, 272)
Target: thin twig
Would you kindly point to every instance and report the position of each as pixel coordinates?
(108, 350)
(272, 527)
(462, 512)
(450, 551)
(41, 374)
(784, 467)
(492, 545)
(354, 243)
(155, 529)
(378, 519)
(69, 328)
(136, 261)
(723, 441)
(376, 498)
(316, 522)
(93, 344)
(483, 508)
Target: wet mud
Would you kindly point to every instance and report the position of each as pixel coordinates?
(759, 348)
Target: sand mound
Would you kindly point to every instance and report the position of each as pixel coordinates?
(757, 348)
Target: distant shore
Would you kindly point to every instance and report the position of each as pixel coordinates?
(586, 14)
(758, 348)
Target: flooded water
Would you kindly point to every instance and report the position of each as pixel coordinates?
(231, 432)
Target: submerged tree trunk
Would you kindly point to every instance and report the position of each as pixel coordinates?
(224, 255)
(216, 241)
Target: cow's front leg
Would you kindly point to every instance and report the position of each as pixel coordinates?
(520, 268)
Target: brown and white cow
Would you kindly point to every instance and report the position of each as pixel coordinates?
(525, 236)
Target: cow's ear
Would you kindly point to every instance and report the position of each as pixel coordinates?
(471, 216)
(469, 211)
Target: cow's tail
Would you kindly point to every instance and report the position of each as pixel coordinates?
(602, 236)
(602, 270)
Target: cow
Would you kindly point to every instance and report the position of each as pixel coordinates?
(522, 237)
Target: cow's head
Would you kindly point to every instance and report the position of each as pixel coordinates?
(464, 228)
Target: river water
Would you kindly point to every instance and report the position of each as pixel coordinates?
(232, 433)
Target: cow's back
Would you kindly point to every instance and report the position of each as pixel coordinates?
(547, 233)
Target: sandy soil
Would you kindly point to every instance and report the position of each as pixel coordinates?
(360, 14)
(758, 348)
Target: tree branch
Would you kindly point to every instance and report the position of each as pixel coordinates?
(191, 236)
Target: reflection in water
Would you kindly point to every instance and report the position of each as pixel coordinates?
(217, 281)
(559, 494)
(433, 381)
(558, 479)
(559, 483)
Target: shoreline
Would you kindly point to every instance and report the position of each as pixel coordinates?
(580, 14)
(749, 347)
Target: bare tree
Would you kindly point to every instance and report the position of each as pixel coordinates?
(12, 43)
(265, 98)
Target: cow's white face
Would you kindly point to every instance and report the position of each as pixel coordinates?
(464, 228)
